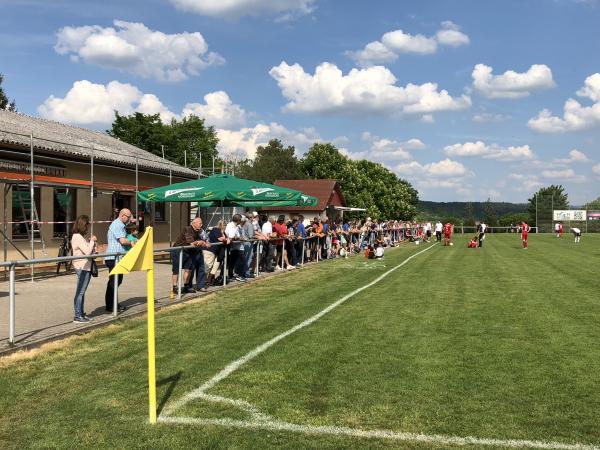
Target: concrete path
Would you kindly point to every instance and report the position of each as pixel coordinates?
(44, 308)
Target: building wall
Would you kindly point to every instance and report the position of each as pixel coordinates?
(164, 231)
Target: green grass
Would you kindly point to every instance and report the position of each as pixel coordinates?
(496, 342)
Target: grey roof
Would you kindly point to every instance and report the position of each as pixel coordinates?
(56, 137)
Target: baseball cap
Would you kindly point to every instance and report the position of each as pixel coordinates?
(243, 218)
(254, 214)
(281, 218)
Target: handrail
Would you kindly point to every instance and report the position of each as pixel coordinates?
(58, 259)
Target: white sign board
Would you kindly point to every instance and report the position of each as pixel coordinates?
(567, 215)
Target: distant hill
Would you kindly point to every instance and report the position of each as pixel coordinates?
(457, 209)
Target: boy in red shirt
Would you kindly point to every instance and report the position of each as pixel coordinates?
(524, 233)
(447, 234)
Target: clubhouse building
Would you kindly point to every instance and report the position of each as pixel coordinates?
(74, 171)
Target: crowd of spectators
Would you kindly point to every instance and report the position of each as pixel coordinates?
(252, 243)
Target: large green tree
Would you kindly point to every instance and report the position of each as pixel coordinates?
(272, 162)
(469, 214)
(364, 184)
(4, 102)
(183, 141)
(541, 204)
(491, 218)
(594, 205)
(513, 219)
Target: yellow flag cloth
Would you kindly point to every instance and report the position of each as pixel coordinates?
(140, 257)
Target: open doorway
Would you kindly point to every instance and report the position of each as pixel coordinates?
(120, 201)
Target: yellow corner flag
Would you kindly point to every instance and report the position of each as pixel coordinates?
(141, 257)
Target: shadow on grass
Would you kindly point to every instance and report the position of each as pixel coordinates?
(172, 382)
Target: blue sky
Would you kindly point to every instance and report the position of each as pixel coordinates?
(465, 99)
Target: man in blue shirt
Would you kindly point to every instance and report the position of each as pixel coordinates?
(117, 242)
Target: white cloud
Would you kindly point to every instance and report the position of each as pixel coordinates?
(234, 9)
(89, 103)
(397, 42)
(567, 175)
(575, 156)
(493, 151)
(451, 35)
(576, 117)
(444, 168)
(524, 183)
(596, 169)
(371, 89)
(386, 150)
(485, 117)
(134, 48)
(150, 104)
(243, 142)
(591, 89)
(467, 149)
(509, 154)
(218, 110)
(511, 84)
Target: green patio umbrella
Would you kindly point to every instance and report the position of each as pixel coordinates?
(227, 190)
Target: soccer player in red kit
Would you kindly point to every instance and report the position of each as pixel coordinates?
(447, 233)
(524, 233)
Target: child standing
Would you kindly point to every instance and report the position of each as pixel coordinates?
(132, 233)
(379, 251)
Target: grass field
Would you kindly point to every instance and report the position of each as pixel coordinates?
(456, 348)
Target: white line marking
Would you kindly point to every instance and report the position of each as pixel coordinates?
(265, 422)
(232, 367)
(377, 434)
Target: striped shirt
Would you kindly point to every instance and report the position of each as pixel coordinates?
(115, 232)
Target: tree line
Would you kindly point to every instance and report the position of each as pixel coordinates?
(364, 184)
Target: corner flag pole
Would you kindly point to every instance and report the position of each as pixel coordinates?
(151, 348)
(141, 258)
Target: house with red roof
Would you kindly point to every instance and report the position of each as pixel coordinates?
(328, 192)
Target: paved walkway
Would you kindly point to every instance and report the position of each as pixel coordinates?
(44, 308)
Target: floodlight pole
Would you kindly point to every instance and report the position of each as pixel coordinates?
(537, 230)
(32, 204)
(170, 206)
(92, 191)
(137, 190)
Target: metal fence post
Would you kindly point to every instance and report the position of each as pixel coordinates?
(258, 252)
(11, 307)
(179, 274)
(115, 291)
(318, 248)
(225, 268)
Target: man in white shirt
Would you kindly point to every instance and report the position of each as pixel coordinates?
(438, 231)
(481, 233)
(269, 247)
(236, 252)
(577, 233)
(428, 231)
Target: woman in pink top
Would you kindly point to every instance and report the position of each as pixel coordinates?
(81, 246)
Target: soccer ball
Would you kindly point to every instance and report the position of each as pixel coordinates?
(451, 243)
